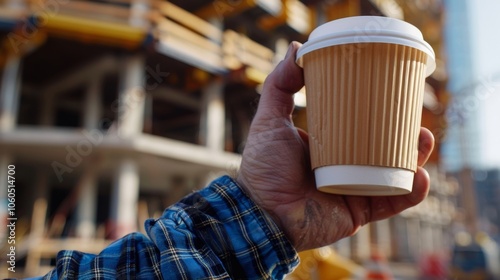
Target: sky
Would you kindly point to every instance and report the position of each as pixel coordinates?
(474, 64)
(485, 33)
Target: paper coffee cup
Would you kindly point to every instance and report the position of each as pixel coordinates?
(365, 79)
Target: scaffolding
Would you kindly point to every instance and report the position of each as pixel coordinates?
(114, 109)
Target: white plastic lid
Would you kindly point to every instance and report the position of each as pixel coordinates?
(364, 180)
(367, 29)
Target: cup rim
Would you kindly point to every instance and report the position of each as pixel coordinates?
(348, 31)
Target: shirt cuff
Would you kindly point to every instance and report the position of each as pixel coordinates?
(236, 230)
(276, 249)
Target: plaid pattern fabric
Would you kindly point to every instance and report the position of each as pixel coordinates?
(214, 233)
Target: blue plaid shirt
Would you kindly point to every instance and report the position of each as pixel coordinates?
(217, 232)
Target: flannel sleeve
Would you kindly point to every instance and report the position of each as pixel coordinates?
(214, 233)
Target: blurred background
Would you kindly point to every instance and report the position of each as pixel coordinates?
(111, 110)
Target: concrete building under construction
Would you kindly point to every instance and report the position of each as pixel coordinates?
(111, 110)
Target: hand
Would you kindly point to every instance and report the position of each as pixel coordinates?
(276, 173)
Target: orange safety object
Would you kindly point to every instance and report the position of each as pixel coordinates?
(377, 268)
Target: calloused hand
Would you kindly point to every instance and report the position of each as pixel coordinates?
(275, 171)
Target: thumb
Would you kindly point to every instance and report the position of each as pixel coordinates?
(278, 89)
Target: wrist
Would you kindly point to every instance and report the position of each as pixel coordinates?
(287, 218)
(245, 187)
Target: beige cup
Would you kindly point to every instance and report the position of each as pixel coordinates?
(365, 80)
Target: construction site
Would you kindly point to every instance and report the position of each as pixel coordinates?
(112, 110)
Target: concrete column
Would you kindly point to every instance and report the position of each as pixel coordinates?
(320, 12)
(87, 208)
(38, 217)
(382, 236)
(124, 198)
(343, 247)
(131, 99)
(399, 242)
(426, 237)
(414, 237)
(87, 203)
(439, 243)
(9, 107)
(213, 117)
(9, 93)
(130, 110)
(93, 106)
(138, 13)
(280, 48)
(361, 246)
(41, 198)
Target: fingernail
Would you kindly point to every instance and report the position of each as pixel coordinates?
(289, 51)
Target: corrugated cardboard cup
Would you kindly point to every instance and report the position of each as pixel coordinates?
(365, 79)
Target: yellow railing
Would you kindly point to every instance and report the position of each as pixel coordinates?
(180, 34)
(226, 9)
(240, 51)
(107, 12)
(124, 23)
(187, 37)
